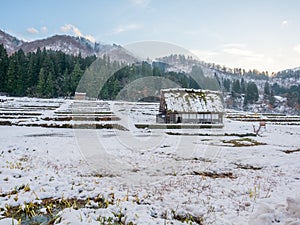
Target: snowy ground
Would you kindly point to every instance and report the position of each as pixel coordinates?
(142, 176)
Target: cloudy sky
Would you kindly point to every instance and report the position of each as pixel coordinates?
(261, 34)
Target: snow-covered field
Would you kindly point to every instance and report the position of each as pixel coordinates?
(51, 173)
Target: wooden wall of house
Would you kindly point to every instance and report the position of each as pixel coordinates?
(194, 118)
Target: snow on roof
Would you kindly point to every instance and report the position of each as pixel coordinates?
(279, 98)
(192, 100)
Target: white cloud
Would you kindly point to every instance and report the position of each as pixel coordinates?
(297, 48)
(32, 30)
(207, 56)
(44, 29)
(90, 38)
(234, 45)
(124, 28)
(140, 2)
(236, 55)
(246, 58)
(243, 52)
(284, 23)
(71, 29)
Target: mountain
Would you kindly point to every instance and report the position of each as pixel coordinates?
(243, 90)
(67, 44)
(10, 43)
(293, 70)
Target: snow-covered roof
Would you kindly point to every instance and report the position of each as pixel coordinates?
(192, 100)
(279, 98)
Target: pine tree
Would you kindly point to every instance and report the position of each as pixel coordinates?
(243, 86)
(227, 84)
(292, 98)
(4, 61)
(21, 76)
(75, 77)
(65, 85)
(40, 88)
(49, 85)
(236, 87)
(251, 95)
(12, 75)
(271, 98)
(31, 71)
(267, 89)
(115, 89)
(47, 74)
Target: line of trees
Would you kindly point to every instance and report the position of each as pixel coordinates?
(249, 90)
(239, 87)
(254, 74)
(44, 73)
(292, 93)
(47, 74)
(127, 74)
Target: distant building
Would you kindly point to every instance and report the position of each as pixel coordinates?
(194, 106)
(80, 96)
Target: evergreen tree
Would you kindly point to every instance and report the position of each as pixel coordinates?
(236, 87)
(49, 85)
(243, 86)
(271, 98)
(292, 97)
(251, 95)
(31, 71)
(4, 61)
(75, 77)
(40, 88)
(21, 75)
(65, 84)
(227, 84)
(12, 75)
(267, 89)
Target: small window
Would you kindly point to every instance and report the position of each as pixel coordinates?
(214, 116)
(193, 116)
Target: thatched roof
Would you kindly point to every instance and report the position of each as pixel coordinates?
(192, 100)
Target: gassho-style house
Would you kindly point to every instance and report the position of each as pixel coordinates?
(193, 106)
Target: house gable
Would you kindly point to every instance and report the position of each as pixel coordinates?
(191, 101)
(190, 106)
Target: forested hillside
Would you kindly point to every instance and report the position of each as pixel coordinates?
(47, 73)
(43, 73)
